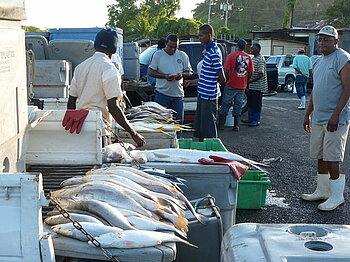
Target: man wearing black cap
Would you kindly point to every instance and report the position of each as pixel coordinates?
(97, 86)
(327, 119)
(238, 69)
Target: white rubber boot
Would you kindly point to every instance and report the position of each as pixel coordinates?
(302, 103)
(322, 189)
(337, 195)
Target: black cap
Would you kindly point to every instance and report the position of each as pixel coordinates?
(241, 43)
(107, 40)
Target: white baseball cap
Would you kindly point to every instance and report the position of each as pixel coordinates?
(328, 30)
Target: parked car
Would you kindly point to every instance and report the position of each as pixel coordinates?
(286, 73)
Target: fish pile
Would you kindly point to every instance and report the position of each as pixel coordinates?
(116, 153)
(123, 207)
(152, 117)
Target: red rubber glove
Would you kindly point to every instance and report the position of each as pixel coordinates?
(238, 169)
(74, 119)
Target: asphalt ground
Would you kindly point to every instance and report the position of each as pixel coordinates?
(281, 134)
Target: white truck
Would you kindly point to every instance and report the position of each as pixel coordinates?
(286, 73)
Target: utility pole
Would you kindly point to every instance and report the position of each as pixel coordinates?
(226, 7)
(209, 12)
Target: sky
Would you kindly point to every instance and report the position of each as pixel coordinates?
(79, 13)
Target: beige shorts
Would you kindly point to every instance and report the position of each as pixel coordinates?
(329, 146)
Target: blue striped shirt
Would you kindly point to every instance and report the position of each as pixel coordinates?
(208, 87)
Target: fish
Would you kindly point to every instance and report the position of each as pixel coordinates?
(93, 229)
(176, 155)
(145, 223)
(102, 209)
(136, 239)
(102, 192)
(117, 196)
(73, 181)
(60, 219)
(55, 212)
(158, 197)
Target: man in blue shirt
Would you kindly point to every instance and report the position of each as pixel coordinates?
(208, 85)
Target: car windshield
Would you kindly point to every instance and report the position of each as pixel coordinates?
(146, 56)
(273, 60)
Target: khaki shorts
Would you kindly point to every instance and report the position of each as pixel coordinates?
(328, 146)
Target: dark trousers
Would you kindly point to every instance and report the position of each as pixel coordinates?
(300, 85)
(254, 100)
(205, 120)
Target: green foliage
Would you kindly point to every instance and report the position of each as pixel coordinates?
(339, 13)
(140, 21)
(32, 29)
(225, 32)
(257, 15)
(188, 26)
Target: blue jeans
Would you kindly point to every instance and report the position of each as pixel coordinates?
(300, 85)
(175, 103)
(232, 96)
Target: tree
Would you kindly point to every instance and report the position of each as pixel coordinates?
(32, 29)
(140, 21)
(225, 32)
(339, 13)
(289, 13)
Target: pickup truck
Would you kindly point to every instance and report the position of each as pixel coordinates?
(286, 73)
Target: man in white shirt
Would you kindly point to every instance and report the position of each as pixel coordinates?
(96, 85)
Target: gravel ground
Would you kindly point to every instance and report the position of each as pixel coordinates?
(281, 135)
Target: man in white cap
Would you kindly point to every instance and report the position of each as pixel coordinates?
(329, 122)
(303, 67)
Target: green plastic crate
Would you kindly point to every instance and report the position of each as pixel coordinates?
(252, 190)
(209, 144)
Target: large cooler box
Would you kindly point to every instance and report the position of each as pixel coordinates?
(216, 180)
(50, 144)
(207, 237)
(13, 90)
(286, 243)
(52, 78)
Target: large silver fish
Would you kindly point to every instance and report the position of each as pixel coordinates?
(93, 229)
(102, 192)
(136, 239)
(60, 219)
(102, 209)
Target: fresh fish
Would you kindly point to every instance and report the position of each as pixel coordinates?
(145, 223)
(136, 187)
(93, 229)
(55, 212)
(102, 209)
(137, 239)
(175, 155)
(102, 192)
(60, 219)
(73, 181)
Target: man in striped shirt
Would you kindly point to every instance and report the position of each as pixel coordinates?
(208, 85)
(257, 85)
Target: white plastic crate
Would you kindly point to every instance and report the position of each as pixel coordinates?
(153, 140)
(50, 144)
(21, 228)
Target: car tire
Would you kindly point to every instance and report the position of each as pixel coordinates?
(289, 84)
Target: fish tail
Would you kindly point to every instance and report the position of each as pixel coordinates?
(188, 243)
(179, 222)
